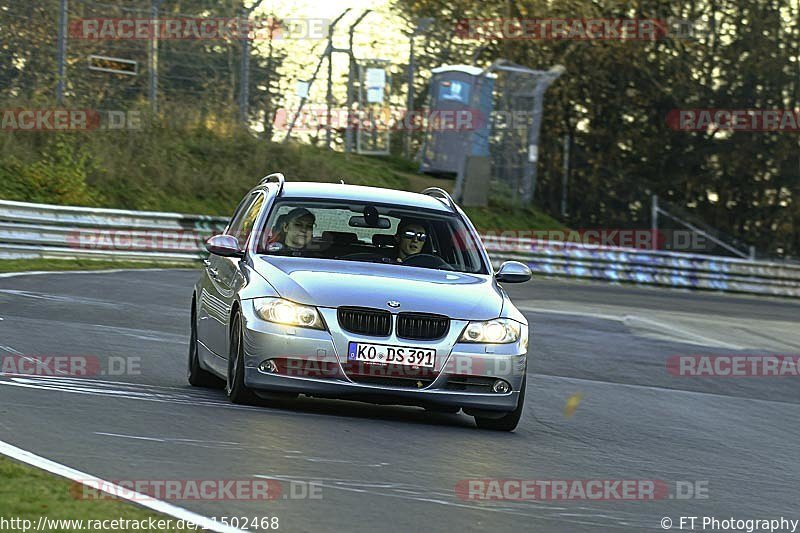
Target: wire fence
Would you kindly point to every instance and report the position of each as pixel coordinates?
(141, 54)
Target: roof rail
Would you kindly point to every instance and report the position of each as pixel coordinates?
(275, 177)
(442, 195)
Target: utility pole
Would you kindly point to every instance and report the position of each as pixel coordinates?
(62, 51)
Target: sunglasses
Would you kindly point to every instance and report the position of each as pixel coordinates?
(421, 237)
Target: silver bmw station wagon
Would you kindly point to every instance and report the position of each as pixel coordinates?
(362, 293)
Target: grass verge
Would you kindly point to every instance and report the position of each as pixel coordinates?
(204, 170)
(30, 265)
(28, 493)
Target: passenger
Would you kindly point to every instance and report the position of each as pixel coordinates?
(410, 239)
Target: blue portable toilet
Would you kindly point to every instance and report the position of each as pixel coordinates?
(457, 89)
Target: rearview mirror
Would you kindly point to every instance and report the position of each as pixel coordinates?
(224, 245)
(513, 272)
(361, 222)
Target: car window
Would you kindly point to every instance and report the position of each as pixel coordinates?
(238, 213)
(245, 218)
(370, 233)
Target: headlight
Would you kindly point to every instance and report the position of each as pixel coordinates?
(285, 312)
(497, 331)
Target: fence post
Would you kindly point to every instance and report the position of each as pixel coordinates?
(62, 50)
(654, 221)
(153, 56)
(329, 91)
(530, 171)
(565, 175)
(352, 71)
(244, 76)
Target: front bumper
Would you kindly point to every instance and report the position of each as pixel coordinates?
(316, 368)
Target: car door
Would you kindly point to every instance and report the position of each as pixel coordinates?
(228, 278)
(213, 307)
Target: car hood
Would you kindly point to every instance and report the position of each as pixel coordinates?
(334, 283)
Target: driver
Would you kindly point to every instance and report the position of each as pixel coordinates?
(410, 238)
(293, 230)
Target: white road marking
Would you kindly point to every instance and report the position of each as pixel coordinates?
(108, 271)
(59, 298)
(167, 439)
(340, 461)
(570, 313)
(10, 349)
(128, 436)
(682, 335)
(27, 358)
(93, 482)
(396, 490)
(57, 384)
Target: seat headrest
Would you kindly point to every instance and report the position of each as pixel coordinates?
(339, 237)
(381, 239)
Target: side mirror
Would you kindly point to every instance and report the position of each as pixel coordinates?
(513, 272)
(224, 245)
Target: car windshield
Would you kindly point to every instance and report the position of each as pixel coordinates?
(362, 232)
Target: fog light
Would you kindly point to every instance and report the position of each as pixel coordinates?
(268, 366)
(501, 387)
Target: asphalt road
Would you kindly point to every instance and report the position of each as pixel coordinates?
(396, 468)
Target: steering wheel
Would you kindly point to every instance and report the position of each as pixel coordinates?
(428, 261)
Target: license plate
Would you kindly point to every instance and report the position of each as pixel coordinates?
(391, 355)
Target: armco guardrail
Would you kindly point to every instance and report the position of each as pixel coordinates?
(38, 230)
(671, 269)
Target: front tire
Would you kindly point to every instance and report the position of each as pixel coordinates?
(235, 388)
(507, 422)
(197, 375)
